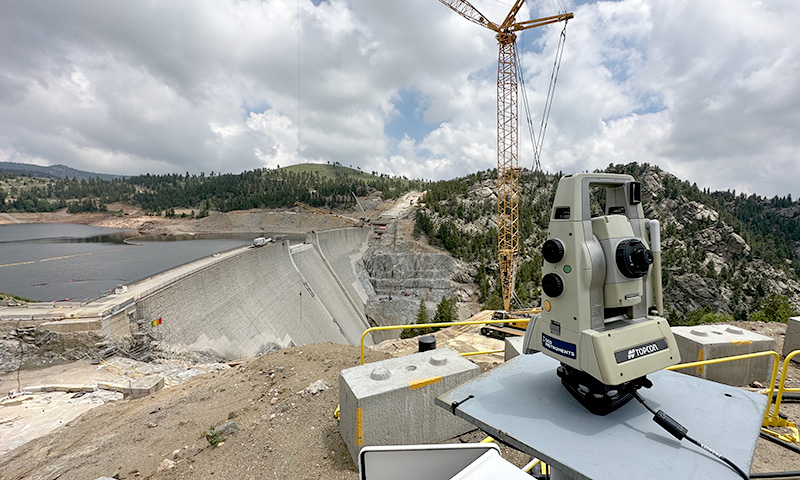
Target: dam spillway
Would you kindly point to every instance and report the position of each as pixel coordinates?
(269, 297)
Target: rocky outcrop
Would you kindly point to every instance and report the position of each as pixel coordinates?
(401, 279)
(426, 275)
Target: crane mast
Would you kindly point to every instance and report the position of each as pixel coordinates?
(507, 166)
(507, 132)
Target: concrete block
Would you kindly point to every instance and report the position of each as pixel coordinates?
(73, 326)
(392, 402)
(791, 341)
(146, 386)
(111, 387)
(513, 347)
(706, 342)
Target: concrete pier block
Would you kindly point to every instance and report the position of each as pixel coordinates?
(146, 386)
(791, 341)
(707, 342)
(392, 402)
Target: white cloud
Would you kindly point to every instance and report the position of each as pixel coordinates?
(706, 89)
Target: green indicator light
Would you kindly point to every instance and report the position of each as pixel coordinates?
(567, 269)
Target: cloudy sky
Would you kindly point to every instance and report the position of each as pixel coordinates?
(708, 90)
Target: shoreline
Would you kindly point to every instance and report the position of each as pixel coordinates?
(287, 221)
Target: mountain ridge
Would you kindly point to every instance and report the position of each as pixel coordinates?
(54, 171)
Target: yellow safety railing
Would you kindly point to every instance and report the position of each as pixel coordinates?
(776, 420)
(436, 325)
(776, 359)
(485, 352)
(772, 416)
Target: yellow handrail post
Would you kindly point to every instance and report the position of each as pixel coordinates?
(782, 385)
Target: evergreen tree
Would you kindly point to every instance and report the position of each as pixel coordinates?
(446, 311)
(422, 315)
(776, 308)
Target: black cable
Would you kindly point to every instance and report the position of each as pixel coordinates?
(778, 441)
(775, 474)
(720, 456)
(680, 432)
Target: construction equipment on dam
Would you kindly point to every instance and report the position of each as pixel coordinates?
(508, 168)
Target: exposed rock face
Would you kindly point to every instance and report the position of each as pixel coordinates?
(427, 275)
(36, 347)
(401, 279)
(692, 292)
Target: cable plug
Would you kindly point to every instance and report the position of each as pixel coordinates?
(670, 424)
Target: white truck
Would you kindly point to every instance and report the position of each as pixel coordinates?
(261, 241)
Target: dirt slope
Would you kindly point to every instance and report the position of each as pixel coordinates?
(283, 431)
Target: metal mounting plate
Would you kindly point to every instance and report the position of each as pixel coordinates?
(523, 404)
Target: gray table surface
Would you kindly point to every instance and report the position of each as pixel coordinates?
(523, 404)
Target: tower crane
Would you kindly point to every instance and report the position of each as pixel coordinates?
(507, 127)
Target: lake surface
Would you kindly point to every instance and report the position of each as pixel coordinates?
(51, 262)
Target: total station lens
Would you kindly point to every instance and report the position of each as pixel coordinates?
(633, 258)
(552, 285)
(553, 250)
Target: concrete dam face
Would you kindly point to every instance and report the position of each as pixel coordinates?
(273, 296)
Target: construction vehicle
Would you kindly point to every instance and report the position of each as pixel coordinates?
(514, 323)
(507, 136)
(261, 241)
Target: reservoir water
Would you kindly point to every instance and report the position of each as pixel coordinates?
(52, 262)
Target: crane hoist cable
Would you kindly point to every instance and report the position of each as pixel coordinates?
(538, 141)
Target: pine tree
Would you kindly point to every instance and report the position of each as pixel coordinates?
(422, 314)
(445, 311)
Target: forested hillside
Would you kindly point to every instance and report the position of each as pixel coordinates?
(317, 185)
(726, 255)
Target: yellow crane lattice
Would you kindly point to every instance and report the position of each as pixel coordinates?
(507, 132)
